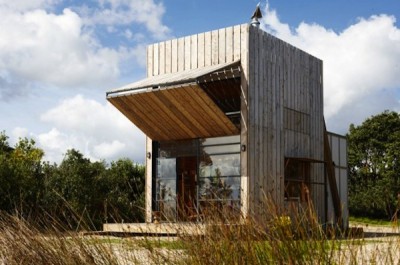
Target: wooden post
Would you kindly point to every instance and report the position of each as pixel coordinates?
(330, 170)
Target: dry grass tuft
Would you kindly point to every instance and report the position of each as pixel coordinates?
(272, 238)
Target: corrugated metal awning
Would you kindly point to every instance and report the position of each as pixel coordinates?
(225, 70)
(174, 106)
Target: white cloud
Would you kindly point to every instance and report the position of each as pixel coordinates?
(108, 149)
(360, 63)
(92, 128)
(55, 144)
(19, 132)
(53, 49)
(125, 12)
(24, 5)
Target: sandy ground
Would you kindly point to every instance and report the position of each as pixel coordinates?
(380, 245)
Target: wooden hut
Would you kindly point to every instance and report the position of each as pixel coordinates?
(233, 116)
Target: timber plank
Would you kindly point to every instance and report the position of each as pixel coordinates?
(174, 56)
(251, 133)
(240, 51)
(215, 112)
(222, 45)
(229, 44)
(171, 113)
(201, 50)
(156, 59)
(168, 56)
(156, 115)
(149, 182)
(193, 52)
(214, 47)
(190, 104)
(120, 104)
(182, 108)
(207, 48)
(187, 55)
(162, 58)
(149, 60)
(181, 54)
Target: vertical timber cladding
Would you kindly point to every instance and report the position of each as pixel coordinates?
(285, 116)
(338, 144)
(197, 51)
(265, 151)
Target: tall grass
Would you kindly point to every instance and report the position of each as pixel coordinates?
(22, 243)
(271, 237)
(274, 236)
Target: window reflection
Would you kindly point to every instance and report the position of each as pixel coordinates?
(166, 168)
(217, 175)
(219, 165)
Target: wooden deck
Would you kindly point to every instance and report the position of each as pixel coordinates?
(154, 229)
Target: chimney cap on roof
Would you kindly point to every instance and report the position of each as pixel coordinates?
(256, 15)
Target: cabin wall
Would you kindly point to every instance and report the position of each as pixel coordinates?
(149, 184)
(196, 51)
(281, 106)
(338, 144)
(285, 116)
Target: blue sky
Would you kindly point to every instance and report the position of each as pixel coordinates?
(58, 58)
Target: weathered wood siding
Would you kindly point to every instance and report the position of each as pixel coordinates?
(196, 51)
(338, 144)
(148, 187)
(281, 105)
(285, 116)
(199, 50)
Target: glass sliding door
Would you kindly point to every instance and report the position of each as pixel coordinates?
(198, 176)
(166, 188)
(219, 176)
(175, 179)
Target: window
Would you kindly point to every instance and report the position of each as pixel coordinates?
(297, 180)
(192, 175)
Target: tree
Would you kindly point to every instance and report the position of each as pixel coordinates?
(83, 192)
(125, 191)
(374, 166)
(75, 193)
(21, 181)
(74, 190)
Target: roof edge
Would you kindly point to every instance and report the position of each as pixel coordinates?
(170, 79)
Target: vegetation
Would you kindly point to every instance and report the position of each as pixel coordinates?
(374, 167)
(369, 221)
(42, 204)
(78, 193)
(272, 238)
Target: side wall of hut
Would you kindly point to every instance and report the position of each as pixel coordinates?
(338, 144)
(285, 118)
(281, 106)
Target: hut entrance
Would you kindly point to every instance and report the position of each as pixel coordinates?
(186, 197)
(195, 178)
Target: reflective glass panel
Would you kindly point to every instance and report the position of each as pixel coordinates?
(166, 189)
(222, 188)
(221, 140)
(166, 168)
(221, 149)
(219, 165)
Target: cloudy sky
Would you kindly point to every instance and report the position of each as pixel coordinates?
(58, 58)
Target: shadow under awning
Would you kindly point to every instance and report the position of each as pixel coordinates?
(175, 106)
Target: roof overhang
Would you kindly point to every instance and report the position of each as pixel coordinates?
(175, 106)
